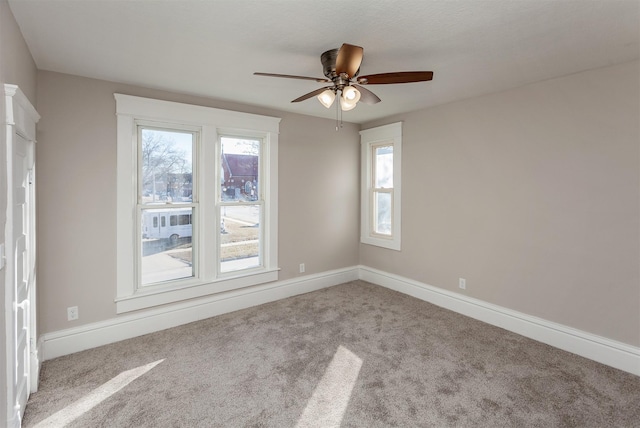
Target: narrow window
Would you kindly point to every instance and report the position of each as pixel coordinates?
(381, 175)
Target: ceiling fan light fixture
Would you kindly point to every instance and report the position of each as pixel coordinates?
(341, 68)
(326, 98)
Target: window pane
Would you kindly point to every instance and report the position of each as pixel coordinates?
(383, 166)
(166, 250)
(166, 164)
(240, 237)
(382, 213)
(240, 169)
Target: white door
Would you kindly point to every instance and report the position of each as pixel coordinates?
(19, 271)
(23, 268)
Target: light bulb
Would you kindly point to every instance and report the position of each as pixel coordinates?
(346, 105)
(326, 98)
(351, 94)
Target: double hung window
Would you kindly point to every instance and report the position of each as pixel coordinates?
(197, 201)
(167, 203)
(381, 184)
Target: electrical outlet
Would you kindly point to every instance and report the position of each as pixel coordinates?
(301, 267)
(72, 313)
(462, 283)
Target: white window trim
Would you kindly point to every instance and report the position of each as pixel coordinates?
(391, 134)
(211, 122)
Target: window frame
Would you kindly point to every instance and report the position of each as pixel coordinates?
(211, 123)
(387, 135)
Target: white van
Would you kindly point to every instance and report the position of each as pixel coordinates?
(163, 224)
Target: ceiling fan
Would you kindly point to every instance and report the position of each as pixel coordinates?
(341, 68)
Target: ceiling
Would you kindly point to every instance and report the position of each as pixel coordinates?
(211, 48)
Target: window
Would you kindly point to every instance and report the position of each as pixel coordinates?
(197, 201)
(240, 204)
(380, 205)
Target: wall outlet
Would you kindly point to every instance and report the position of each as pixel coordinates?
(301, 267)
(72, 313)
(462, 283)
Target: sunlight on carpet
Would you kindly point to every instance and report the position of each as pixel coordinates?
(330, 399)
(95, 397)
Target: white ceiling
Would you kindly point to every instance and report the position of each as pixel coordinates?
(211, 48)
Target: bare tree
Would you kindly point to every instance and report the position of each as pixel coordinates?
(164, 165)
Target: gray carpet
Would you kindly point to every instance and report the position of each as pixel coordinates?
(353, 355)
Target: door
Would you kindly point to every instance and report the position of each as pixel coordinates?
(22, 261)
(19, 271)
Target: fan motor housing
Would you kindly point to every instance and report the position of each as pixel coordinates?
(328, 60)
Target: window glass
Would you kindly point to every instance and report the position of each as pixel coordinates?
(240, 238)
(382, 213)
(240, 169)
(166, 251)
(166, 164)
(383, 166)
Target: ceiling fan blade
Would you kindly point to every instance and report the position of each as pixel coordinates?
(289, 76)
(349, 59)
(366, 96)
(311, 94)
(398, 77)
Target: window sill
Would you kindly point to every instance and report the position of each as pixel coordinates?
(155, 297)
(392, 244)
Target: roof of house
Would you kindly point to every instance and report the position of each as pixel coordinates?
(240, 165)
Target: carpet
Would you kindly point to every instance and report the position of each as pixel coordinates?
(352, 355)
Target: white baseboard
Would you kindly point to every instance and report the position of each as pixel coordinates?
(612, 353)
(36, 360)
(127, 326)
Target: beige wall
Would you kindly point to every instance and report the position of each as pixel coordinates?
(532, 196)
(318, 194)
(16, 64)
(17, 68)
